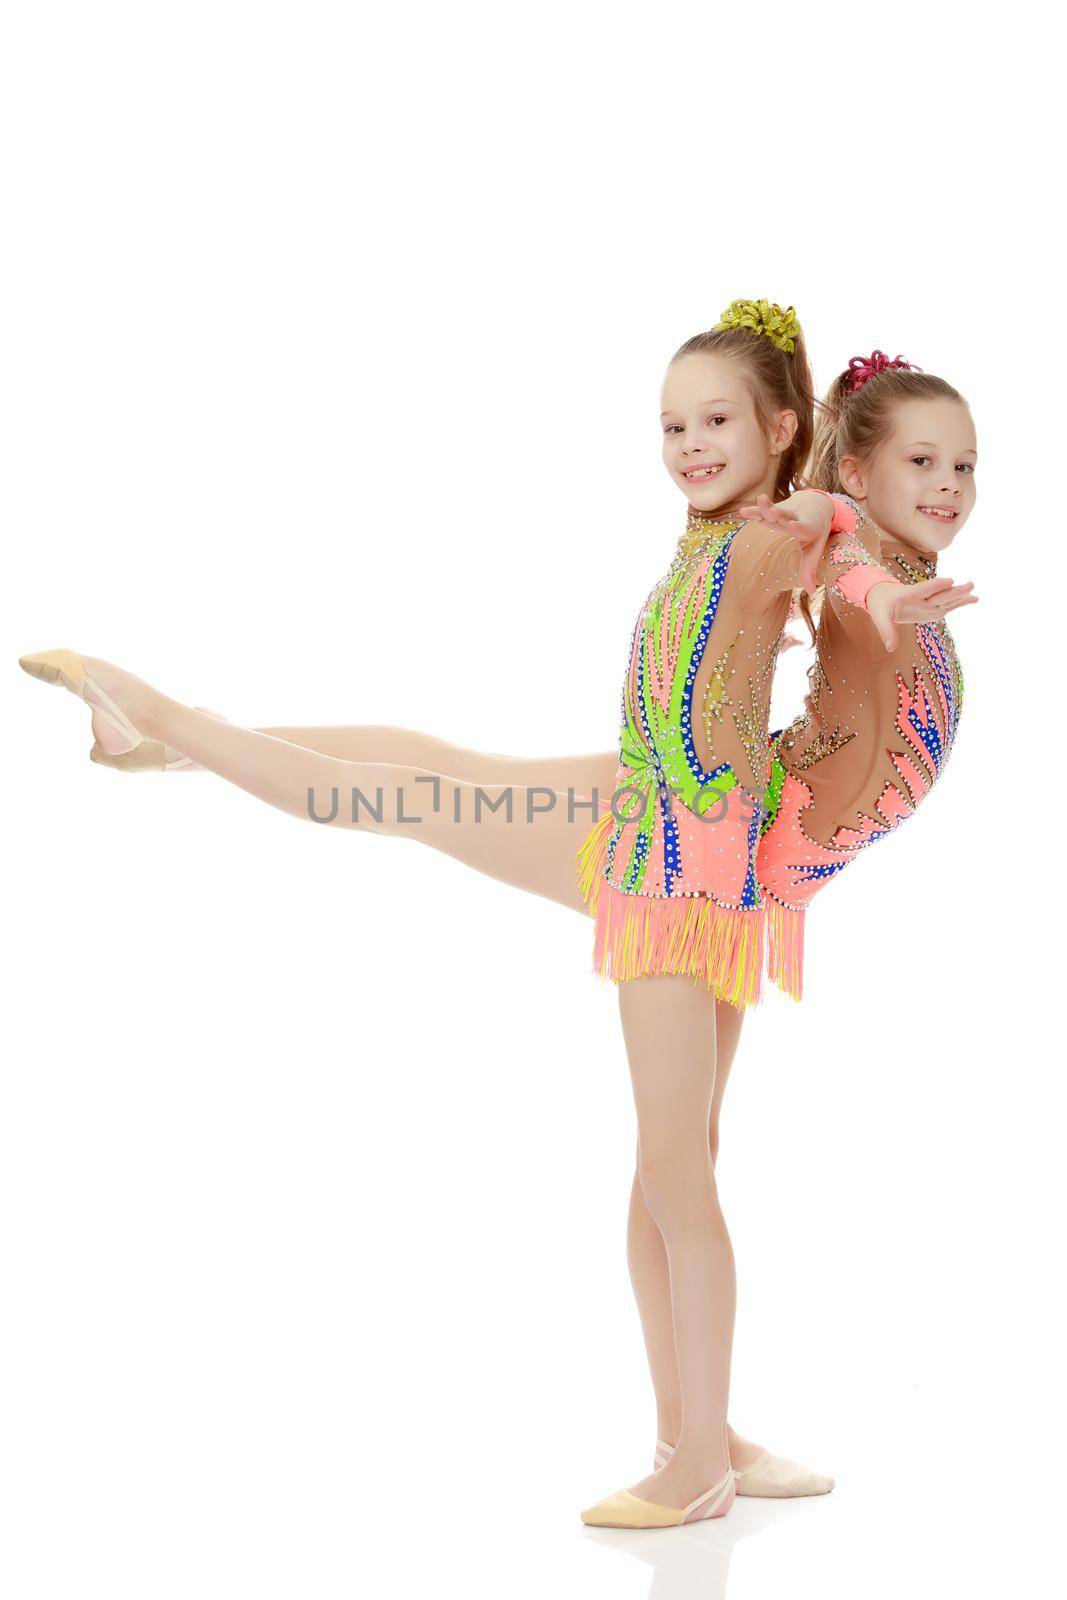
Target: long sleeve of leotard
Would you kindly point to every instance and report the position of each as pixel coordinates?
(769, 560)
(766, 562)
(852, 565)
(728, 694)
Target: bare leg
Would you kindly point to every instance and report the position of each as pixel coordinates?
(669, 1024)
(649, 1272)
(408, 747)
(522, 834)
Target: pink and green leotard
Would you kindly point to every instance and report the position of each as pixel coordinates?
(669, 872)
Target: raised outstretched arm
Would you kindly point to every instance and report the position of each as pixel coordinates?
(850, 567)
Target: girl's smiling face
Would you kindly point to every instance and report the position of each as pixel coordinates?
(919, 484)
(713, 444)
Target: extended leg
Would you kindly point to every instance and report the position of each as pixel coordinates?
(522, 834)
(408, 747)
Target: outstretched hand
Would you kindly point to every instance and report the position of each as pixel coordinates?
(895, 605)
(807, 517)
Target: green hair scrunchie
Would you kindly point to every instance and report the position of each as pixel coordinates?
(763, 317)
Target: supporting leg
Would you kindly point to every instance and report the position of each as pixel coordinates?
(647, 1253)
(669, 1026)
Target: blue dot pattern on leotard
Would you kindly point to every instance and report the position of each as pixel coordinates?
(718, 578)
(672, 853)
(933, 639)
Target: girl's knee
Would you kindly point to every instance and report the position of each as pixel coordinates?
(678, 1181)
(713, 1142)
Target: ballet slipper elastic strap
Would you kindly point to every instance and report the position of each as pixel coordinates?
(111, 711)
(718, 1489)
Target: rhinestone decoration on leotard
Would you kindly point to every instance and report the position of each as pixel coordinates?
(662, 775)
(916, 571)
(701, 539)
(751, 715)
(875, 735)
(716, 699)
(669, 871)
(823, 745)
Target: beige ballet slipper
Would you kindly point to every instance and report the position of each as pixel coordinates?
(768, 1478)
(148, 756)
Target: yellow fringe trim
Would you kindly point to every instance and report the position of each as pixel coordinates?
(785, 947)
(692, 936)
(590, 858)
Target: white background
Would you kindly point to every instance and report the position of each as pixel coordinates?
(331, 350)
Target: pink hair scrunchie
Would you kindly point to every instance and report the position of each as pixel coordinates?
(863, 368)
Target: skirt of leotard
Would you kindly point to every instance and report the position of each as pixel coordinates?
(673, 892)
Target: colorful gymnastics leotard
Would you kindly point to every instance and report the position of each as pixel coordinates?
(670, 871)
(873, 738)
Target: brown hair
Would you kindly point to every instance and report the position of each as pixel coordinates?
(856, 424)
(779, 382)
